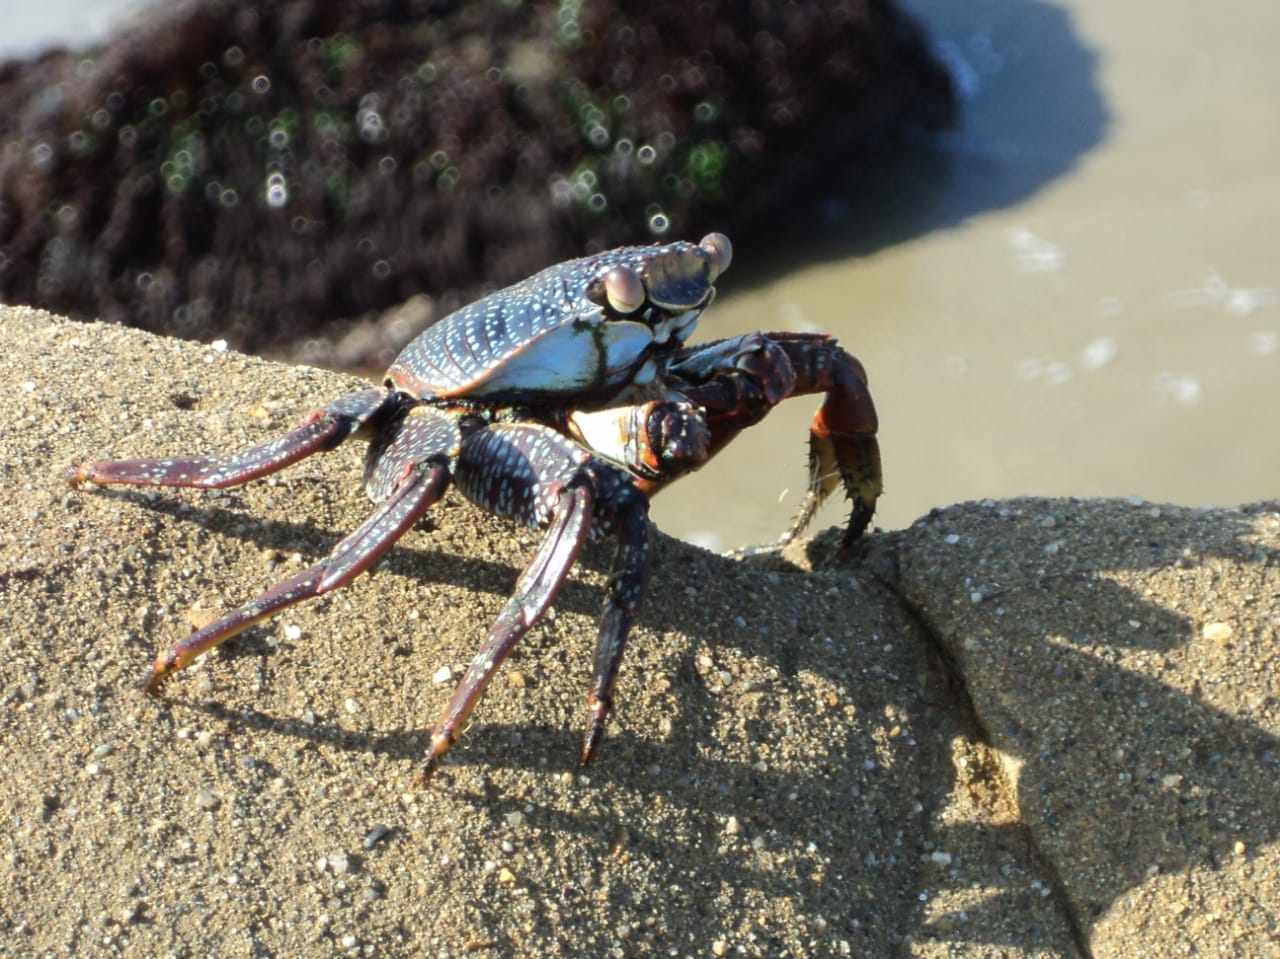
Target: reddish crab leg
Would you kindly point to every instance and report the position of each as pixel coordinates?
(630, 576)
(422, 487)
(321, 431)
(418, 459)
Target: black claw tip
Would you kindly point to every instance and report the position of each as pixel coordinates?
(858, 523)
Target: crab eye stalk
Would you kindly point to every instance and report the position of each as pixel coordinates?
(719, 253)
(624, 289)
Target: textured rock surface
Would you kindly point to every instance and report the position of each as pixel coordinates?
(1020, 728)
(257, 171)
(1123, 659)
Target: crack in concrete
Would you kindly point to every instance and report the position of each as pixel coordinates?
(961, 705)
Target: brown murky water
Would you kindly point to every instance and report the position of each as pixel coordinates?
(1077, 293)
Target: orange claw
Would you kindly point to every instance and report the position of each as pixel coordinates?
(737, 381)
(842, 439)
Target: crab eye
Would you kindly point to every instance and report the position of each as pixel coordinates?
(719, 252)
(624, 289)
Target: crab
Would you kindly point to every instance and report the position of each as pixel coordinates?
(563, 402)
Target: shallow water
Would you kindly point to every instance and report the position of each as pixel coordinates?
(1076, 293)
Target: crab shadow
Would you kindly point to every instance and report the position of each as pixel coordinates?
(310, 538)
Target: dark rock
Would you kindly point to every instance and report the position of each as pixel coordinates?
(265, 171)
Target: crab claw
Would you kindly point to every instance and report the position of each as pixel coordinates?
(660, 439)
(843, 450)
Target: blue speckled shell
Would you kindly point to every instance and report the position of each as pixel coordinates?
(539, 339)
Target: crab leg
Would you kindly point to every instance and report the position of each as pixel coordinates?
(531, 474)
(419, 456)
(656, 440)
(534, 592)
(628, 520)
(321, 431)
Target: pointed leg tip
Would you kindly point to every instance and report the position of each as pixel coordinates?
(593, 736)
(427, 769)
(77, 476)
(155, 678)
(441, 742)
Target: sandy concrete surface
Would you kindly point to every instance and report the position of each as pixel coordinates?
(1018, 728)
